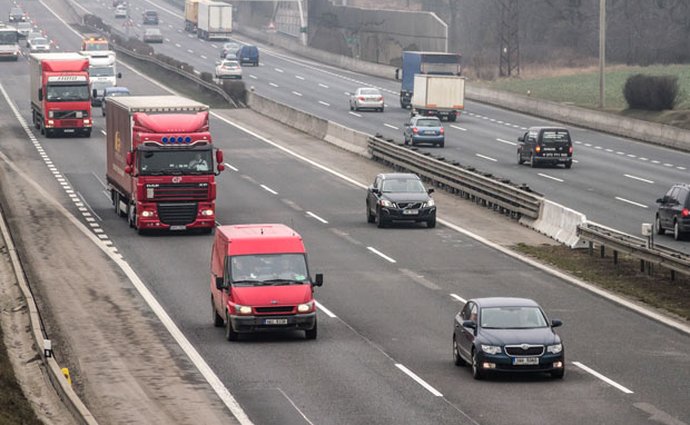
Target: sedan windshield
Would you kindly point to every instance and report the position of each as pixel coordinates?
(402, 185)
(271, 269)
(512, 318)
(175, 162)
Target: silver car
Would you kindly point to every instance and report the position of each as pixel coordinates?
(366, 98)
(39, 44)
(228, 69)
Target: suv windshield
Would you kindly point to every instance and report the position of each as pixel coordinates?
(402, 185)
(268, 269)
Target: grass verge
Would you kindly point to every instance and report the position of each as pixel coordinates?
(625, 278)
(14, 407)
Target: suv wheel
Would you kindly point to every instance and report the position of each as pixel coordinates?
(657, 226)
(431, 223)
(532, 162)
(370, 217)
(380, 221)
(677, 234)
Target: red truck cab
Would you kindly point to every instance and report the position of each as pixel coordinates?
(260, 280)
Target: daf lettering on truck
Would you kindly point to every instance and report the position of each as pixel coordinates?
(260, 281)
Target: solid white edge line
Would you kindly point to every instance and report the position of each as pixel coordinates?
(295, 406)
(459, 298)
(381, 254)
(630, 176)
(328, 312)
(268, 189)
(419, 380)
(309, 213)
(603, 378)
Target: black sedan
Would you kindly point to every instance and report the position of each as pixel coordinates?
(507, 335)
(400, 197)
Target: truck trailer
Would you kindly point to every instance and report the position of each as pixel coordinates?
(191, 15)
(440, 95)
(60, 97)
(214, 20)
(160, 163)
(435, 63)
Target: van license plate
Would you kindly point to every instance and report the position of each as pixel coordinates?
(68, 130)
(275, 322)
(518, 361)
(178, 227)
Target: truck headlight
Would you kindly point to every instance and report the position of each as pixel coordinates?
(554, 349)
(51, 122)
(87, 121)
(207, 213)
(243, 309)
(385, 203)
(147, 214)
(305, 308)
(491, 349)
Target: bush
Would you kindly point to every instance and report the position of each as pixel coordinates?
(236, 90)
(206, 76)
(651, 92)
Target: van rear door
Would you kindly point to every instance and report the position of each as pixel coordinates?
(555, 142)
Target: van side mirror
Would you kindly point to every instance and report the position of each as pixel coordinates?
(430, 190)
(40, 94)
(397, 73)
(469, 324)
(220, 284)
(556, 323)
(119, 75)
(318, 281)
(94, 93)
(660, 200)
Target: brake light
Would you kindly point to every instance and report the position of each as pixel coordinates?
(685, 212)
(415, 130)
(361, 98)
(537, 149)
(570, 150)
(379, 98)
(443, 130)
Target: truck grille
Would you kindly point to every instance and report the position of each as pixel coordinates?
(179, 192)
(61, 115)
(177, 214)
(280, 309)
(68, 123)
(532, 350)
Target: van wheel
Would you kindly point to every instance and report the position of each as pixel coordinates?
(312, 333)
(657, 226)
(568, 165)
(217, 320)
(230, 334)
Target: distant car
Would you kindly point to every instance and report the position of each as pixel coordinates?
(507, 335)
(366, 98)
(113, 91)
(39, 44)
(17, 15)
(545, 145)
(150, 17)
(121, 11)
(33, 34)
(117, 2)
(421, 129)
(23, 28)
(230, 48)
(153, 35)
(400, 197)
(673, 212)
(248, 54)
(228, 68)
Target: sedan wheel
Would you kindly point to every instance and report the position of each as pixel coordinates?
(457, 359)
(657, 226)
(476, 371)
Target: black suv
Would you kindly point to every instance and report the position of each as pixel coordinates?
(674, 211)
(545, 145)
(400, 197)
(150, 17)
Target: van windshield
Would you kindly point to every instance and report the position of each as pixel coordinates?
(268, 269)
(555, 136)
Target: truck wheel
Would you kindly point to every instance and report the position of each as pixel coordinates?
(312, 333)
(230, 334)
(217, 320)
(49, 133)
(132, 217)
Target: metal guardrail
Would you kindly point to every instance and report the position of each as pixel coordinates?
(635, 247)
(474, 185)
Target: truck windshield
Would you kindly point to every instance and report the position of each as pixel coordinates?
(268, 269)
(174, 161)
(8, 37)
(101, 71)
(66, 93)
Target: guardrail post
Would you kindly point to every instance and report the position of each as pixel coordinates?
(615, 257)
(642, 266)
(590, 248)
(673, 275)
(602, 251)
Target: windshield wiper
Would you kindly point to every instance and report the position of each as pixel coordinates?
(277, 281)
(250, 281)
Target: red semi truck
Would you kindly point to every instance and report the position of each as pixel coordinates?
(160, 159)
(60, 99)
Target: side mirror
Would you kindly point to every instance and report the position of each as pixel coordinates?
(40, 94)
(130, 158)
(318, 279)
(220, 168)
(119, 75)
(521, 139)
(660, 201)
(128, 169)
(397, 73)
(94, 93)
(556, 323)
(375, 190)
(219, 156)
(469, 324)
(220, 284)
(407, 124)
(430, 190)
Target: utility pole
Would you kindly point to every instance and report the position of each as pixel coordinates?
(509, 63)
(602, 51)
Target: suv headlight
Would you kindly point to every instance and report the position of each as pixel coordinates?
(385, 203)
(429, 203)
(554, 349)
(491, 349)
(305, 308)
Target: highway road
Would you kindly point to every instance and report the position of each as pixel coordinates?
(383, 354)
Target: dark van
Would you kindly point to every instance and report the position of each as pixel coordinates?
(248, 54)
(545, 145)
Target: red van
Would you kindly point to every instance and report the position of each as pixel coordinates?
(260, 280)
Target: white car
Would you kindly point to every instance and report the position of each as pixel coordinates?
(228, 68)
(39, 44)
(32, 34)
(121, 11)
(366, 98)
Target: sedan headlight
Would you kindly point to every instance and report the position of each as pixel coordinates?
(429, 203)
(243, 309)
(554, 349)
(305, 308)
(491, 349)
(385, 203)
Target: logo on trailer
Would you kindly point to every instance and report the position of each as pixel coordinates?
(118, 141)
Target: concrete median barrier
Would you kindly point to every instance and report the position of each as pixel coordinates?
(558, 222)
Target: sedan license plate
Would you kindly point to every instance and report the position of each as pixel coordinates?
(520, 361)
(431, 132)
(275, 321)
(410, 212)
(178, 227)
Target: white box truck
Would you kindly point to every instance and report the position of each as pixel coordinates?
(441, 95)
(214, 20)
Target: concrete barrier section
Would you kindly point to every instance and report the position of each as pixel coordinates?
(348, 139)
(314, 126)
(559, 223)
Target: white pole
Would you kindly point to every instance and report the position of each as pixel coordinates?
(602, 51)
(302, 24)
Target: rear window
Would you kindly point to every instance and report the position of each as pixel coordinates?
(428, 123)
(555, 136)
(369, 92)
(151, 13)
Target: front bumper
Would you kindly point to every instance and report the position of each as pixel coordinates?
(423, 214)
(504, 363)
(247, 324)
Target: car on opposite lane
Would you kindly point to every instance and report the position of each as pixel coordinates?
(39, 44)
(673, 212)
(110, 92)
(153, 35)
(545, 145)
(228, 68)
(366, 98)
(400, 197)
(422, 129)
(501, 334)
